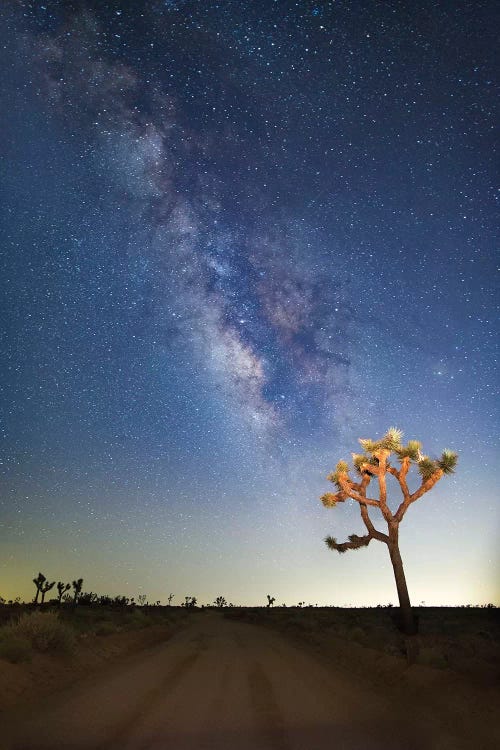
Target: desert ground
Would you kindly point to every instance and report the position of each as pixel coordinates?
(279, 682)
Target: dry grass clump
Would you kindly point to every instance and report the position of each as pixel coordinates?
(44, 631)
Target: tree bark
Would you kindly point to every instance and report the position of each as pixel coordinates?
(408, 621)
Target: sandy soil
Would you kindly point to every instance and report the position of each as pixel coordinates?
(221, 684)
(46, 673)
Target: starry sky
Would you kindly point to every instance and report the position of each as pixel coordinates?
(236, 237)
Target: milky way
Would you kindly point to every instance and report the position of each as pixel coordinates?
(237, 237)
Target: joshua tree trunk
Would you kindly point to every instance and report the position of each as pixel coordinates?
(408, 622)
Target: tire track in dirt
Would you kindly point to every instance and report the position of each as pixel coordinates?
(268, 715)
(103, 717)
(149, 701)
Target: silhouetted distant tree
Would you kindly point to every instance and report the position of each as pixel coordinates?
(77, 589)
(220, 602)
(38, 581)
(374, 464)
(270, 600)
(170, 597)
(46, 586)
(61, 589)
(190, 602)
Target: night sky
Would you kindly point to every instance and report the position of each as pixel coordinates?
(237, 236)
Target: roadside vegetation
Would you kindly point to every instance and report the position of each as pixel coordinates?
(464, 639)
(59, 626)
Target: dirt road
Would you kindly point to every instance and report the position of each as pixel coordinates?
(219, 685)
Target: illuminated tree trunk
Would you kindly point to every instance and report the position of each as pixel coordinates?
(408, 622)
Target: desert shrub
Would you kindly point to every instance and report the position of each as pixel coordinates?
(15, 648)
(43, 630)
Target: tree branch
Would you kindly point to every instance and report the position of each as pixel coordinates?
(401, 477)
(371, 468)
(347, 487)
(427, 485)
(382, 456)
(355, 542)
(373, 532)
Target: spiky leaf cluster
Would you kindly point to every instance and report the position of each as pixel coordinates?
(391, 441)
(330, 500)
(358, 459)
(341, 468)
(355, 542)
(368, 445)
(427, 467)
(410, 450)
(447, 462)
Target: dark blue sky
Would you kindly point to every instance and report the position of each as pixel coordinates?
(237, 237)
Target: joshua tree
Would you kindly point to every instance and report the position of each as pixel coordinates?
(141, 599)
(374, 463)
(46, 587)
(270, 600)
(220, 602)
(170, 597)
(61, 589)
(38, 581)
(77, 587)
